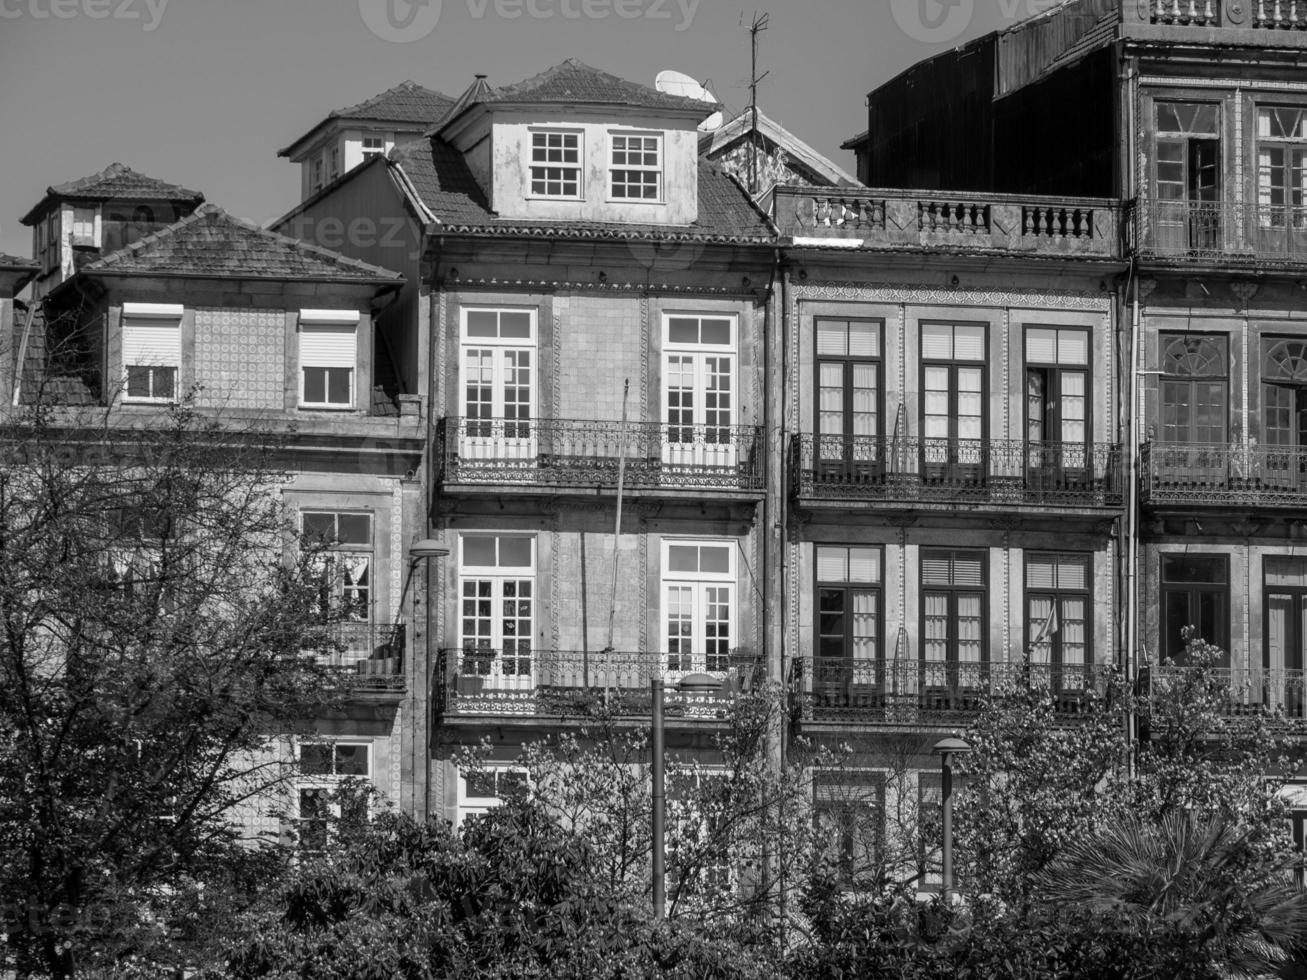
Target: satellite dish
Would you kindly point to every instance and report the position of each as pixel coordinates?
(678, 83)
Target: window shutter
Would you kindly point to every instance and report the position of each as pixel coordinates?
(969, 343)
(1041, 346)
(1073, 347)
(832, 337)
(864, 565)
(328, 346)
(151, 342)
(937, 341)
(864, 339)
(832, 564)
(968, 571)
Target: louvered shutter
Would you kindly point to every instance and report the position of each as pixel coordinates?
(151, 342)
(328, 345)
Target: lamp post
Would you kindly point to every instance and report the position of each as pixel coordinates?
(946, 749)
(423, 551)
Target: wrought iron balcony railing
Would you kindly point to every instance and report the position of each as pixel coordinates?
(368, 656)
(908, 692)
(579, 453)
(1212, 230)
(885, 218)
(556, 683)
(1223, 473)
(1254, 692)
(994, 471)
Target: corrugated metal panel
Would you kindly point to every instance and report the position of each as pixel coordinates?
(1033, 48)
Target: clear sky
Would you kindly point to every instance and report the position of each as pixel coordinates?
(204, 92)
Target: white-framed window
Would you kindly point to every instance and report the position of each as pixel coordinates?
(322, 810)
(637, 166)
(319, 172)
(496, 585)
(152, 351)
(328, 358)
(373, 146)
(556, 163)
(334, 170)
(482, 791)
(344, 567)
(699, 389)
(497, 377)
(84, 227)
(699, 596)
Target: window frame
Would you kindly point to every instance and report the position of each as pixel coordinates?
(328, 322)
(1194, 591)
(333, 551)
(545, 165)
(698, 660)
(1054, 372)
(848, 586)
(856, 462)
(659, 169)
(1057, 595)
(1290, 214)
(493, 659)
(1294, 698)
(467, 805)
(327, 783)
(1164, 341)
(952, 591)
(953, 467)
(157, 314)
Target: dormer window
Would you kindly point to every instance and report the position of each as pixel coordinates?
(84, 227)
(556, 164)
(319, 169)
(637, 172)
(373, 146)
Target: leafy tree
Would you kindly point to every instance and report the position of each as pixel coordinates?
(512, 894)
(151, 644)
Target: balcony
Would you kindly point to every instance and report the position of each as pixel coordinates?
(562, 684)
(894, 219)
(368, 657)
(957, 471)
(918, 693)
(1215, 231)
(577, 454)
(1269, 15)
(1224, 474)
(1254, 692)
(1188, 13)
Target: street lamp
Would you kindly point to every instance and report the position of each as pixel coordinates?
(424, 551)
(946, 749)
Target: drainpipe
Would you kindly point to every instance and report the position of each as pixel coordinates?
(1132, 522)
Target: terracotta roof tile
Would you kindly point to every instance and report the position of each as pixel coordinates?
(407, 102)
(577, 83)
(116, 181)
(211, 243)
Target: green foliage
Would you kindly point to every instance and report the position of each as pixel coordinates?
(151, 638)
(513, 895)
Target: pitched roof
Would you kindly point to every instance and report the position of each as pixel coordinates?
(724, 137)
(445, 187)
(407, 102)
(17, 262)
(115, 181)
(212, 244)
(573, 82)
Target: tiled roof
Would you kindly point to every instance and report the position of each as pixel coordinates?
(211, 243)
(17, 262)
(116, 181)
(577, 83)
(51, 377)
(445, 186)
(407, 102)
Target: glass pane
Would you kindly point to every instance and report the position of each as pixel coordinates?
(832, 338)
(479, 551)
(351, 760)
(1286, 571)
(683, 558)
(715, 560)
(514, 552)
(1279, 610)
(716, 332)
(832, 564)
(482, 323)
(683, 330)
(864, 339)
(355, 529)
(315, 760)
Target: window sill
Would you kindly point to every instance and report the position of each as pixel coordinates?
(337, 409)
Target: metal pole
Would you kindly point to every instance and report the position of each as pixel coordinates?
(617, 526)
(425, 685)
(947, 792)
(659, 802)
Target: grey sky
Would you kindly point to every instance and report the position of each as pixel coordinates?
(204, 92)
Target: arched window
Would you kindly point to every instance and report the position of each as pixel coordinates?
(1285, 362)
(1195, 388)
